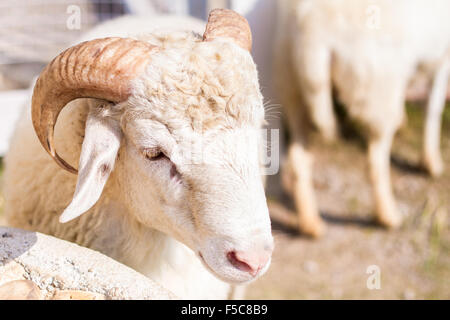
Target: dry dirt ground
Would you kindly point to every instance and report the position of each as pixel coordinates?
(414, 261)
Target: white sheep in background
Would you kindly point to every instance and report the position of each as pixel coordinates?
(368, 50)
(146, 196)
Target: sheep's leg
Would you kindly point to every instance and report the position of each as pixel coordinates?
(431, 151)
(297, 178)
(379, 162)
(296, 175)
(301, 162)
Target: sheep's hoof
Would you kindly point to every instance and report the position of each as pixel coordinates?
(391, 221)
(314, 228)
(434, 168)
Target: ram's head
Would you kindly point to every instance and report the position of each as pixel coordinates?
(178, 130)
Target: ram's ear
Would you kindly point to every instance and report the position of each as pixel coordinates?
(98, 154)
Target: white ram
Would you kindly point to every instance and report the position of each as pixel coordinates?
(368, 50)
(167, 136)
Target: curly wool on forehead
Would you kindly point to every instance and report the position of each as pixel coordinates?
(198, 84)
(171, 38)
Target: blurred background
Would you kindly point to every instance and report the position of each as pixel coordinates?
(414, 261)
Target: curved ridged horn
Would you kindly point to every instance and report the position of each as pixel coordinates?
(224, 23)
(100, 68)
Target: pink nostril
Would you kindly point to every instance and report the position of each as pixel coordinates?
(250, 262)
(237, 263)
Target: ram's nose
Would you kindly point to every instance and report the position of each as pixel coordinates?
(252, 261)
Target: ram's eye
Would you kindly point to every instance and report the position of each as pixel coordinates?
(153, 153)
